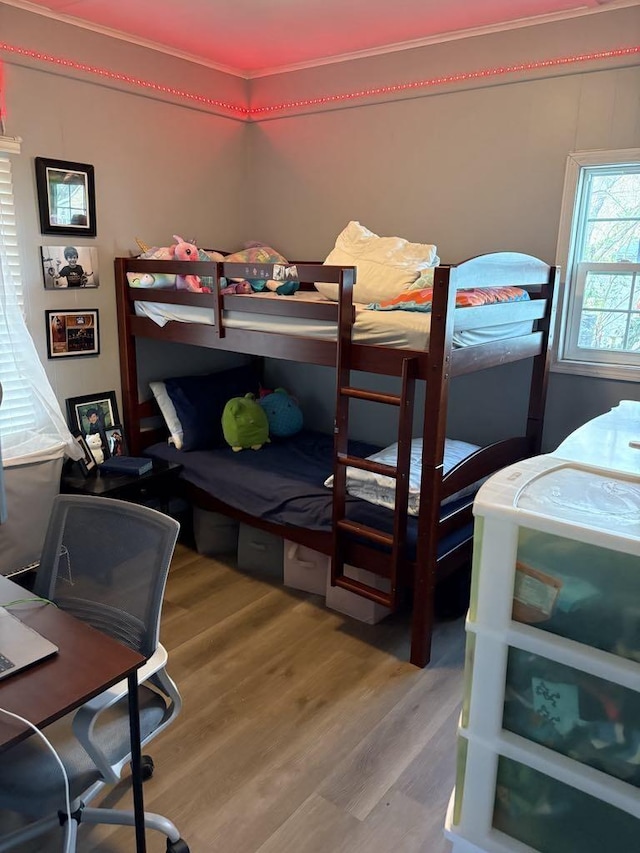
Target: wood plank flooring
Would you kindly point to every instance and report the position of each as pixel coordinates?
(302, 731)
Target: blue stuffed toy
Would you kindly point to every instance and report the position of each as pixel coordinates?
(283, 413)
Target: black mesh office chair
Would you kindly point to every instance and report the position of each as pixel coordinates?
(106, 562)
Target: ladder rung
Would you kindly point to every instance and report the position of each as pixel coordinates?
(370, 592)
(366, 532)
(372, 396)
(368, 465)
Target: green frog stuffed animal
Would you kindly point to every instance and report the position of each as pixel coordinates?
(245, 423)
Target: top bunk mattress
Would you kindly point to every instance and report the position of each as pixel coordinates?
(398, 329)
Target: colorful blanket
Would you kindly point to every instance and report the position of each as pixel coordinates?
(420, 300)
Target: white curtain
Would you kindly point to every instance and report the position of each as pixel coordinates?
(31, 422)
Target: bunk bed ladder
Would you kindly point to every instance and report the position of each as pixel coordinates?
(345, 530)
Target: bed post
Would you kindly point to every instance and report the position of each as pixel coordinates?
(540, 372)
(128, 361)
(433, 437)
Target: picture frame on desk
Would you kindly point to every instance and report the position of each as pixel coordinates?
(117, 441)
(79, 409)
(88, 463)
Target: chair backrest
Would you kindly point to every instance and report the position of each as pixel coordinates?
(106, 561)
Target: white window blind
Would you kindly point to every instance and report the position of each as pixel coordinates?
(17, 410)
(31, 423)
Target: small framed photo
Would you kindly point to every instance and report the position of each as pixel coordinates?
(88, 462)
(66, 197)
(72, 333)
(116, 441)
(69, 266)
(93, 413)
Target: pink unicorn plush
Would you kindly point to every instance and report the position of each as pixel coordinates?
(183, 251)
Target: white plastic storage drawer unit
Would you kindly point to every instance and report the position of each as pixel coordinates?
(305, 568)
(259, 552)
(549, 734)
(214, 533)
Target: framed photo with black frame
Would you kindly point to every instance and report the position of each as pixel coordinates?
(72, 333)
(92, 412)
(66, 197)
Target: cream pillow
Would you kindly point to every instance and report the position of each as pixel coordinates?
(385, 265)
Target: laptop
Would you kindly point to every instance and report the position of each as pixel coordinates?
(20, 645)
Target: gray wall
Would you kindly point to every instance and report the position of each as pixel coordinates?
(473, 168)
(161, 168)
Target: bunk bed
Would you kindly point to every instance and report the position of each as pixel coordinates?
(410, 553)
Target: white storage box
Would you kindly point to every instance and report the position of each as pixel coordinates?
(31, 484)
(305, 569)
(355, 605)
(214, 533)
(260, 552)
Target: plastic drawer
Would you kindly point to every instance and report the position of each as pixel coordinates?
(589, 719)
(579, 591)
(551, 817)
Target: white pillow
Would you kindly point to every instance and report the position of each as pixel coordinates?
(168, 410)
(385, 265)
(380, 489)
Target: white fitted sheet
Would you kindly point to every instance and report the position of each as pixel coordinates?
(400, 329)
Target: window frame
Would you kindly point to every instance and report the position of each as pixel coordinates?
(606, 365)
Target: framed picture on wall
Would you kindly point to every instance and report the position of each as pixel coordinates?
(69, 266)
(72, 333)
(66, 197)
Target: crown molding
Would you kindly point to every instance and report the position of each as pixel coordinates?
(591, 7)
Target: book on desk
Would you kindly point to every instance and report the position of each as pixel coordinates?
(132, 466)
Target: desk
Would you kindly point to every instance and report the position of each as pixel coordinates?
(54, 687)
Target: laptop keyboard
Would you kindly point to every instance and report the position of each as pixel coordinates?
(5, 663)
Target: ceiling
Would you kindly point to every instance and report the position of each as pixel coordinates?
(253, 37)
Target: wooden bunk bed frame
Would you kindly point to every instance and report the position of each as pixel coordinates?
(348, 542)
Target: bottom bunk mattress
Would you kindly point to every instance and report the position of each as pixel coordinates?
(284, 483)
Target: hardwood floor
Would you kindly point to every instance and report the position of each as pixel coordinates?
(302, 731)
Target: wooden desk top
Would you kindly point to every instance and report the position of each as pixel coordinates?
(88, 663)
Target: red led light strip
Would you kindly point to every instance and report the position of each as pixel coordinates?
(125, 78)
(257, 112)
(449, 78)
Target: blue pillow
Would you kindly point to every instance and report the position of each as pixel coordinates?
(200, 400)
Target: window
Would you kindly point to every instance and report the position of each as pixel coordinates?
(599, 251)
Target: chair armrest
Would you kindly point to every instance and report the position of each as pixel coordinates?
(87, 716)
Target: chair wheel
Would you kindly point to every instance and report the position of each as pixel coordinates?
(147, 767)
(178, 846)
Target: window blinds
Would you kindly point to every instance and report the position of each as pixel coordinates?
(17, 411)
(31, 423)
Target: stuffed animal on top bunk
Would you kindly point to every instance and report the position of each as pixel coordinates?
(283, 413)
(244, 423)
(183, 251)
(254, 255)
